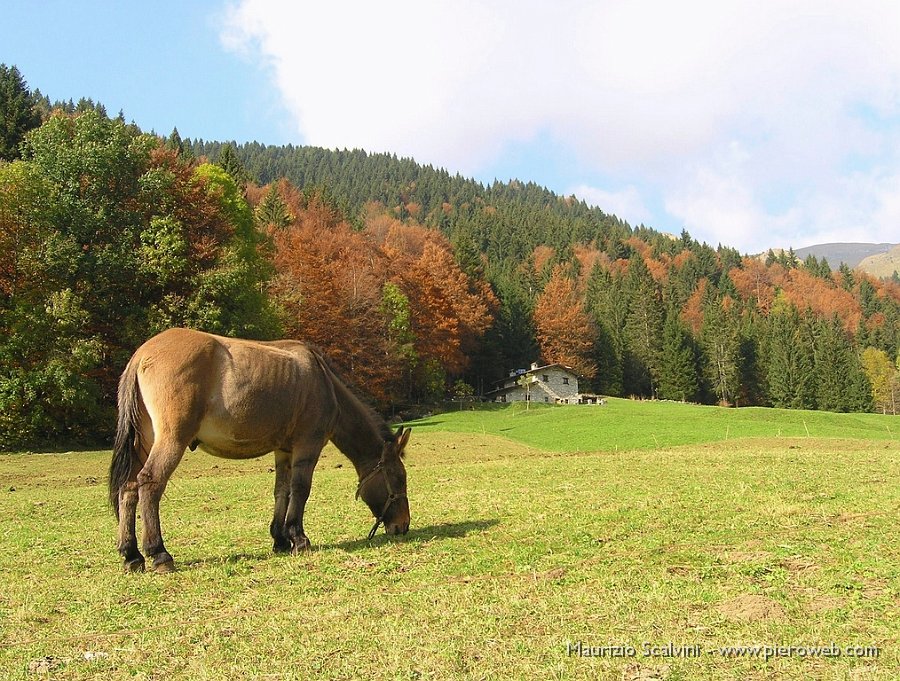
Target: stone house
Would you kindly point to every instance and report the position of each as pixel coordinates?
(550, 384)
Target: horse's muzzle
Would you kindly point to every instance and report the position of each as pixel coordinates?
(396, 528)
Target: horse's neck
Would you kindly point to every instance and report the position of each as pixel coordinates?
(358, 432)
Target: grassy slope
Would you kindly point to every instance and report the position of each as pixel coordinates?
(515, 552)
(627, 425)
(882, 264)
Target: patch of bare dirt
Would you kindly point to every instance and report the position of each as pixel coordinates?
(636, 672)
(751, 608)
(825, 603)
(44, 666)
(798, 564)
(747, 556)
(864, 673)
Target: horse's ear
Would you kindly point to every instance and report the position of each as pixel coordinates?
(402, 439)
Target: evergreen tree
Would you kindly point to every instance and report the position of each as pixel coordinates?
(18, 113)
(729, 258)
(867, 298)
(174, 142)
(400, 337)
(229, 161)
(608, 309)
(727, 288)
(678, 367)
(789, 370)
(272, 210)
(848, 281)
(513, 333)
(643, 330)
(752, 377)
(841, 381)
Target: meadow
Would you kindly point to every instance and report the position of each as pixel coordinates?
(629, 541)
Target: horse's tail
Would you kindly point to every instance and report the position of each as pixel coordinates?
(125, 448)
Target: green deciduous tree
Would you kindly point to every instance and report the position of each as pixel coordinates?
(721, 342)
(107, 238)
(884, 378)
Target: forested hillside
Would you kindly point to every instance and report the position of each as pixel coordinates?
(416, 282)
(639, 312)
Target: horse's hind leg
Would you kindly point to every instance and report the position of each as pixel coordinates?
(282, 496)
(128, 500)
(164, 457)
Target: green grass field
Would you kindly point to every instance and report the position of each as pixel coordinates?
(624, 425)
(535, 535)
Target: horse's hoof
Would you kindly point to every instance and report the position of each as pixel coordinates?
(163, 563)
(302, 545)
(164, 567)
(134, 565)
(281, 547)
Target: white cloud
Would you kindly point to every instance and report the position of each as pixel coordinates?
(714, 108)
(626, 204)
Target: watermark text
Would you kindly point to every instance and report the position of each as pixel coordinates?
(674, 649)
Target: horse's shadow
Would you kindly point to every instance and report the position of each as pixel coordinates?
(429, 533)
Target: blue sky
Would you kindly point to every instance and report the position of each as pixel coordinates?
(752, 124)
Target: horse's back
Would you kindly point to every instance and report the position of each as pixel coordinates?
(235, 397)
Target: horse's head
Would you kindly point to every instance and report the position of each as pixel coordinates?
(384, 488)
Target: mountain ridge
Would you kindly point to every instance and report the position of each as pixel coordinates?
(853, 254)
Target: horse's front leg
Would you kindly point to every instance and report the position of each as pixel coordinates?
(282, 497)
(303, 463)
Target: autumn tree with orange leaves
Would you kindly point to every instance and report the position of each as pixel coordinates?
(389, 304)
(329, 283)
(564, 330)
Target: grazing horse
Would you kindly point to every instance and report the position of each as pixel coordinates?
(241, 399)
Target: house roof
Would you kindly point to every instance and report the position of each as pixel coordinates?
(536, 370)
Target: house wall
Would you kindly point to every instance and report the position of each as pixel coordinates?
(553, 391)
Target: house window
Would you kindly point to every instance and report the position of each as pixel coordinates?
(546, 399)
(565, 380)
(546, 378)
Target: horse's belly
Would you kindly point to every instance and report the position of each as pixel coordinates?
(233, 452)
(224, 441)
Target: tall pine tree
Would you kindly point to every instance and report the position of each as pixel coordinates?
(678, 369)
(841, 381)
(790, 381)
(18, 113)
(643, 330)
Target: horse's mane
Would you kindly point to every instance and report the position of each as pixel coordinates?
(353, 392)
